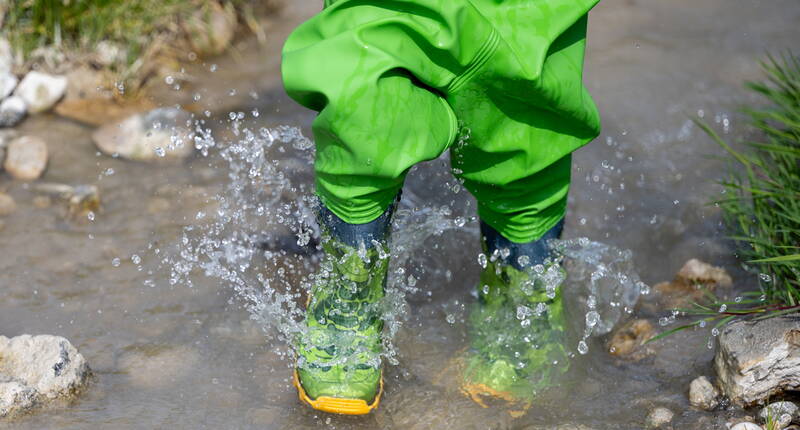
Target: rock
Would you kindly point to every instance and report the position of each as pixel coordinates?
(689, 283)
(7, 204)
(210, 30)
(781, 413)
(746, 426)
(698, 272)
(38, 368)
(100, 111)
(659, 417)
(12, 111)
(84, 82)
(26, 158)
(7, 84)
(628, 340)
(702, 394)
(756, 360)
(163, 133)
(41, 91)
(15, 396)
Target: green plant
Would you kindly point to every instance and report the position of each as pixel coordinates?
(80, 23)
(761, 203)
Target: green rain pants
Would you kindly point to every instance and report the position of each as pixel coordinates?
(397, 82)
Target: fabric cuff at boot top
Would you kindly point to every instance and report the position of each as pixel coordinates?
(536, 251)
(354, 234)
(524, 227)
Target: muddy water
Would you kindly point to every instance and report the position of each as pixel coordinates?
(171, 356)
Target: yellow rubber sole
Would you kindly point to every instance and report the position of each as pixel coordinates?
(336, 405)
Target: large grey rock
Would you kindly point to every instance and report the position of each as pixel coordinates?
(702, 394)
(163, 133)
(35, 369)
(758, 359)
(41, 91)
(12, 111)
(26, 158)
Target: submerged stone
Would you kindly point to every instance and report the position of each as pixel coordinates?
(702, 394)
(628, 341)
(34, 369)
(659, 417)
(7, 204)
(26, 158)
(691, 280)
(756, 360)
(163, 133)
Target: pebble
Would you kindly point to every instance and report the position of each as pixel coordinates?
(41, 91)
(7, 204)
(26, 158)
(159, 134)
(210, 30)
(659, 417)
(782, 413)
(702, 394)
(12, 111)
(7, 84)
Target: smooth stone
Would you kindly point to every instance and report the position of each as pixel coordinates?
(110, 53)
(659, 417)
(12, 111)
(7, 84)
(7, 204)
(26, 158)
(163, 133)
(782, 413)
(41, 91)
(702, 394)
(38, 368)
(210, 30)
(756, 360)
(747, 426)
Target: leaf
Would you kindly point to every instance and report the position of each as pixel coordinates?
(781, 259)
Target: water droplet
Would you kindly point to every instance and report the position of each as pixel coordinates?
(115, 262)
(583, 348)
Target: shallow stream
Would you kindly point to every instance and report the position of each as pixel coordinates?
(169, 354)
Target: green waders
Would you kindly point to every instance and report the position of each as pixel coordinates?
(397, 82)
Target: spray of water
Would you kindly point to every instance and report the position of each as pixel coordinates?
(263, 242)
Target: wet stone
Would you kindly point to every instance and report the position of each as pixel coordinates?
(41, 91)
(628, 341)
(26, 158)
(12, 111)
(689, 283)
(756, 360)
(702, 394)
(163, 133)
(658, 418)
(35, 369)
(7, 204)
(781, 413)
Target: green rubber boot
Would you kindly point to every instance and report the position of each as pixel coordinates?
(517, 327)
(339, 363)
